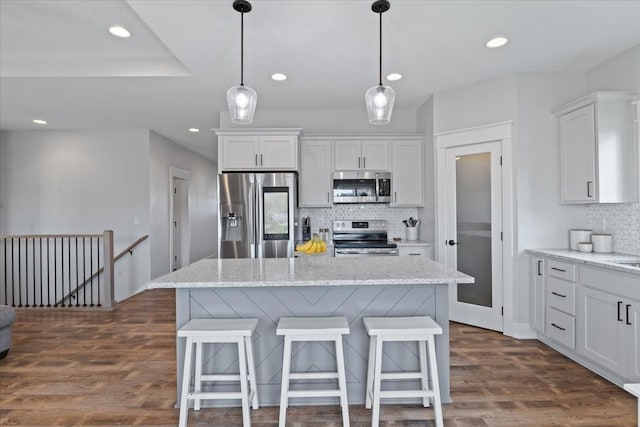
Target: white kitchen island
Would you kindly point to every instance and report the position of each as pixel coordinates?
(269, 289)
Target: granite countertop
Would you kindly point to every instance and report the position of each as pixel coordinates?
(310, 271)
(596, 259)
(411, 243)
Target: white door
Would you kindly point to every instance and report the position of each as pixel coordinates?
(473, 232)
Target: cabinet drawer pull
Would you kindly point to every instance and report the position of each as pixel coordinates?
(539, 270)
(415, 254)
(559, 295)
(559, 327)
(559, 269)
(619, 313)
(628, 316)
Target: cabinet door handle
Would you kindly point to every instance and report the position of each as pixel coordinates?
(261, 160)
(539, 268)
(256, 160)
(559, 327)
(619, 313)
(328, 197)
(628, 316)
(559, 295)
(364, 163)
(358, 162)
(559, 269)
(589, 189)
(395, 197)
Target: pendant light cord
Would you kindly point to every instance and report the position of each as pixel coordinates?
(242, 49)
(380, 83)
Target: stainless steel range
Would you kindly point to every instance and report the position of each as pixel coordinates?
(362, 238)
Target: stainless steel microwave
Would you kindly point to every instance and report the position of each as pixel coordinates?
(361, 187)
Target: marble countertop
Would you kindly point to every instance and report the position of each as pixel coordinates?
(310, 271)
(596, 259)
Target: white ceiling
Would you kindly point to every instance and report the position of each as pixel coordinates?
(59, 63)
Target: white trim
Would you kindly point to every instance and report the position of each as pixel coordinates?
(259, 132)
(373, 136)
(523, 331)
(501, 131)
(474, 135)
(175, 172)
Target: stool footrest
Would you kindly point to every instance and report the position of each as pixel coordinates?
(401, 376)
(312, 375)
(313, 393)
(214, 395)
(220, 377)
(385, 394)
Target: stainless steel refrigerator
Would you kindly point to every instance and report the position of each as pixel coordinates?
(257, 214)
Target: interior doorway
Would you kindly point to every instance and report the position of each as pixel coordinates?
(474, 231)
(179, 240)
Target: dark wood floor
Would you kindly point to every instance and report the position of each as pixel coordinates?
(118, 368)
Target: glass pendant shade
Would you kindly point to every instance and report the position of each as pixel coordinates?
(379, 100)
(242, 102)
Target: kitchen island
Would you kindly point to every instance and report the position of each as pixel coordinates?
(269, 289)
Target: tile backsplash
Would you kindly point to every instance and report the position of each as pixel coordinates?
(620, 220)
(323, 217)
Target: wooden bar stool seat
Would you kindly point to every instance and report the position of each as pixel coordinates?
(215, 331)
(421, 329)
(313, 329)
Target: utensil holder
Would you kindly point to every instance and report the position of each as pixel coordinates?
(412, 233)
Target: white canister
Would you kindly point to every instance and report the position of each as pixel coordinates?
(578, 235)
(412, 233)
(602, 243)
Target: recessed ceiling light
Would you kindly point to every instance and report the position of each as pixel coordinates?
(278, 77)
(394, 76)
(194, 130)
(496, 42)
(119, 31)
(39, 121)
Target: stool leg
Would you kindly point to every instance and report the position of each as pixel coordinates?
(286, 366)
(342, 381)
(424, 381)
(244, 389)
(186, 374)
(433, 367)
(370, 366)
(198, 377)
(377, 372)
(252, 372)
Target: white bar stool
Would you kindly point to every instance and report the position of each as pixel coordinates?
(421, 329)
(635, 390)
(313, 329)
(210, 331)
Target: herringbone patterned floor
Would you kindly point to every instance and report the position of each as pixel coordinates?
(118, 368)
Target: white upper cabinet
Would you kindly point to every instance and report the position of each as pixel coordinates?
(315, 173)
(407, 176)
(361, 155)
(257, 149)
(598, 151)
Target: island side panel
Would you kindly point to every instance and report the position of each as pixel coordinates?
(269, 304)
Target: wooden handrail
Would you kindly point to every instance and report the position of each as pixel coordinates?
(101, 269)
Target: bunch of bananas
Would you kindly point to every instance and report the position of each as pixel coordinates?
(314, 246)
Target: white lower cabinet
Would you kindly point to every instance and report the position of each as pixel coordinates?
(538, 292)
(416, 251)
(609, 329)
(589, 313)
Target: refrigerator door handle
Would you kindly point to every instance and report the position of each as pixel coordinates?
(258, 215)
(251, 231)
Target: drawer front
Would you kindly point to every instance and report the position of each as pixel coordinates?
(562, 270)
(561, 295)
(561, 327)
(415, 251)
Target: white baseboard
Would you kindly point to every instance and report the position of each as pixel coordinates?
(522, 331)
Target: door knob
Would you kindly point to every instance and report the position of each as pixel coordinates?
(452, 243)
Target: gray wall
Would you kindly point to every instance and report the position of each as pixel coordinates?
(59, 182)
(203, 205)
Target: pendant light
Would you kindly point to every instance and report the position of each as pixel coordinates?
(242, 99)
(380, 98)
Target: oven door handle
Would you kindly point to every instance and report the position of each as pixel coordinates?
(369, 251)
